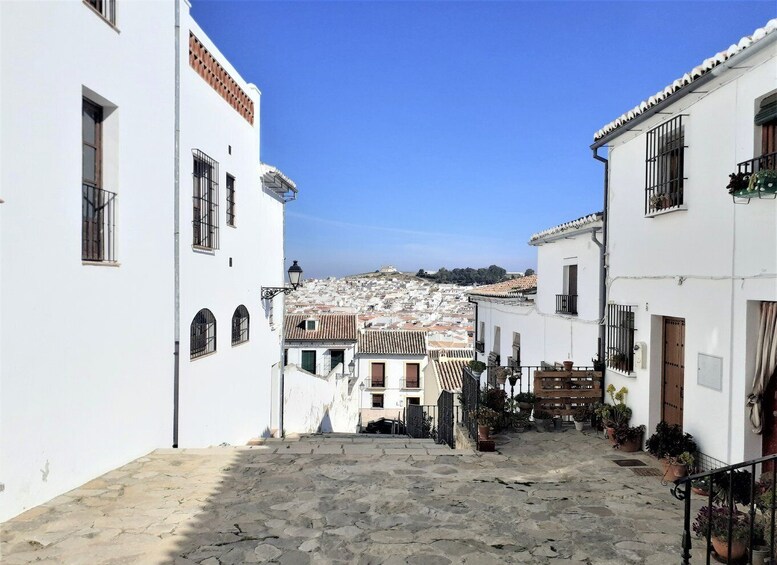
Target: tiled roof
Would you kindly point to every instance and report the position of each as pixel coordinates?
(394, 342)
(565, 227)
(330, 327)
(513, 287)
(697, 72)
(273, 179)
(452, 353)
(449, 373)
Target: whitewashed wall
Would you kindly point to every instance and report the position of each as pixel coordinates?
(323, 354)
(726, 254)
(87, 351)
(545, 335)
(319, 404)
(393, 394)
(225, 397)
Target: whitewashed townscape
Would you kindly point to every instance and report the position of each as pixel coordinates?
(135, 266)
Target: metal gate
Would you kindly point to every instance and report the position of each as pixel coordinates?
(470, 392)
(414, 420)
(445, 419)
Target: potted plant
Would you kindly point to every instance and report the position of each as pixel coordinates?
(598, 364)
(501, 375)
(542, 419)
(669, 441)
(568, 365)
(628, 438)
(715, 520)
(525, 400)
(765, 181)
(617, 414)
(617, 360)
(680, 466)
(477, 367)
(486, 419)
(701, 486)
(581, 415)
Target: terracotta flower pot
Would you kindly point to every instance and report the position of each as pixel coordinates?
(501, 379)
(631, 445)
(678, 470)
(738, 549)
(482, 431)
(611, 435)
(568, 365)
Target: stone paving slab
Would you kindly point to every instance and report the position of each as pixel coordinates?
(544, 499)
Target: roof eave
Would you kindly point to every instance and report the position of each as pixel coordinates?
(565, 235)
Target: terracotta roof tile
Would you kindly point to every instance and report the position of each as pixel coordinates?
(394, 342)
(567, 226)
(459, 353)
(449, 373)
(513, 287)
(331, 327)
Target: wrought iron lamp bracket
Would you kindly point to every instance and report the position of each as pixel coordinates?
(270, 292)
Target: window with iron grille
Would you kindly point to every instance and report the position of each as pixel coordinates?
(240, 320)
(664, 181)
(205, 216)
(98, 206)
(203, 334)
(106, 8)
(377, 401)
(620, 337)
(230, 200)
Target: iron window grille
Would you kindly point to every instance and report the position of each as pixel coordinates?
(240, 324)
(566, 303)
(377, 401)
(230, 200)
(106, 8)
(203, 334)
(98, 224)
(620, 337)
(665, 153)
(205, 216)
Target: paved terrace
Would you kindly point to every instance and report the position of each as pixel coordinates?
(545, 498)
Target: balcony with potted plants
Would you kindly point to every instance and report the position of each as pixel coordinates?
(756, 178)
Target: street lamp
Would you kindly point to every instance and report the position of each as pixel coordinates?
(295, 276)
(361, 393)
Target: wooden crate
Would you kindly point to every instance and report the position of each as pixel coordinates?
(562, 392)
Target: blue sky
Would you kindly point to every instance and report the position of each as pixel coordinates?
(429, 134)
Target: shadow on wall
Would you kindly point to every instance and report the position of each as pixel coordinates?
(325, 426)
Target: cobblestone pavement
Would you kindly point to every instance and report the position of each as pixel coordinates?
(544, 498)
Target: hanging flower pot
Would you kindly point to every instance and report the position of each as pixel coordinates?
(568, 365)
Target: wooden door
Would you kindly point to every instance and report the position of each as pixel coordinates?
(378, 375)
(673, 381)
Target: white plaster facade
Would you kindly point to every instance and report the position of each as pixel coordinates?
(319, 404)
(323, 350)
(394, 392)
(531, 320)
(709, 262)
(86, 350)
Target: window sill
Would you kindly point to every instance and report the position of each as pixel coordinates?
(103, 18)
(239, 343)
(233, 226)
(680, 208)
(568, 314)
(630, 375)
(204, 250)
(101, 263)
(203, 356)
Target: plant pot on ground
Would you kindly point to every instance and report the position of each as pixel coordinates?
(715, 521)
(525, 400)
(542, 419)
(581, 415)
(669, 441)
(680, 466)
(629, 439)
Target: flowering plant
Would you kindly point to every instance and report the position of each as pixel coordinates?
(716, 520)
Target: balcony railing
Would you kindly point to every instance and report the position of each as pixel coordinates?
(756, 178)
(764, 162)
(98, 224)
(566, 303)
(377, 382)
(411, 383)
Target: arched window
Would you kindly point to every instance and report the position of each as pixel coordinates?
(240, 325)
(203, 334)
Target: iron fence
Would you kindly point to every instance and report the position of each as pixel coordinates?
(421, 420)
(768, 161)
(446, 419)
(98, 224)
(470, 401)
(738, 511)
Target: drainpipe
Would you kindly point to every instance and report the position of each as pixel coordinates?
(603, 256)
(283, 327)
(177, 222)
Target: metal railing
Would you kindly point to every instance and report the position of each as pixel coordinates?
(764, 162)
(98, 225)
(446, 419)
(729, 490)
(566, 303)
(106, 8)
(664, 160)
(421, 420)
(470, 402)
(376, 382)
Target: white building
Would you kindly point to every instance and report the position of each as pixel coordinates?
(102, 278)
(391, 365)
(549, 317)
(688, 268)
(320, 344)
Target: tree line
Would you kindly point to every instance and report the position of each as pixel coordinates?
(466, 276)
